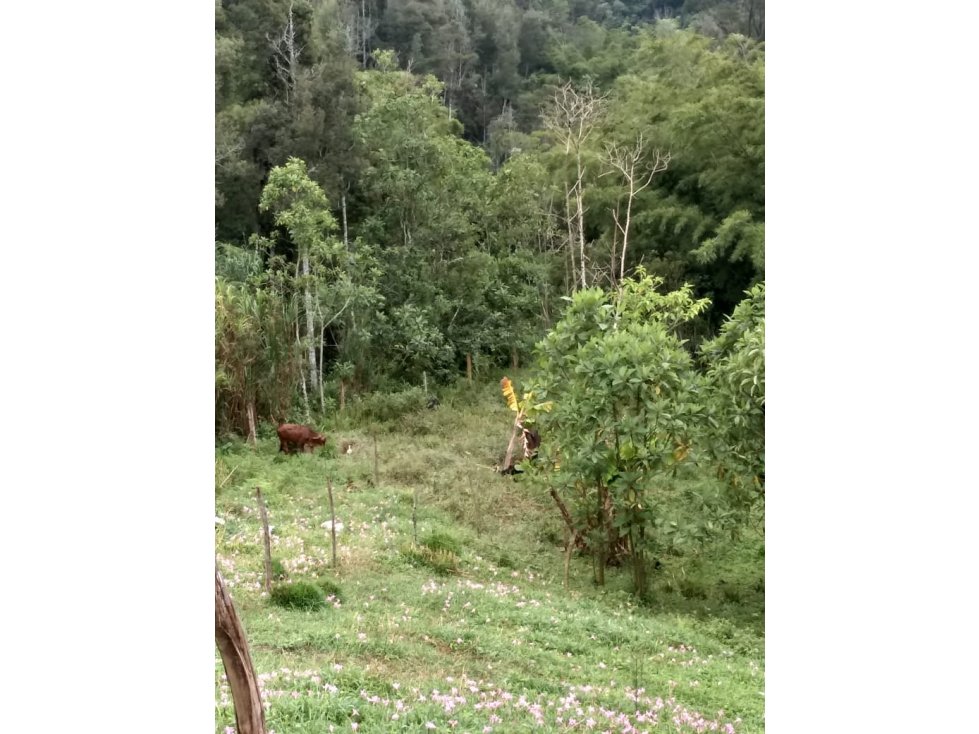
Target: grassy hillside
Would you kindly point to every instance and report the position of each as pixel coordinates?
(470, 628)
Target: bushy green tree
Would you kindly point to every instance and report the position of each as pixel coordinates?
(257, 359)
(735, 361)
(627, 405)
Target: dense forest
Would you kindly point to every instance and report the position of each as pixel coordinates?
(410, 190)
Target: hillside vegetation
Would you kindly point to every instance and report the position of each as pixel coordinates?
(447, 609)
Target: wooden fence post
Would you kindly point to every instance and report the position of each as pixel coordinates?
(266, 539)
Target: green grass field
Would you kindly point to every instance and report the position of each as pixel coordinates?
(469, 629)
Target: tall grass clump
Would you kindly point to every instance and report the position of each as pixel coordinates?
(298, 595)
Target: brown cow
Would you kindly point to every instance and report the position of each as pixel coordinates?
(293, 435)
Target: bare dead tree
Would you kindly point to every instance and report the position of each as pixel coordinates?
(572, 115)
(358, 27)
(225, 151)
(286, 54)
(638, 172)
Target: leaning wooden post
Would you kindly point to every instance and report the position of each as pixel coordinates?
(266, 540)
(333, 520)
(230, 638)
(508, 459)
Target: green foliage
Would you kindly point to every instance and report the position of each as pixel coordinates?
(330, 588)
(441, 561)
(388, 215)
(298, 595)
(736, 376)
(384, 407)
(627, 410)
(704, 103)
(278, 570)
(256, 359)
(301, 207)
(441, 541)
(501, 621)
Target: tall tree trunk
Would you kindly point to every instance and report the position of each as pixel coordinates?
(363, 34)
(302, 380)
(615, 239)
(310, 327)
(343, 393)
(564, 513)
(469, 367)
(321, 329)
(343, 210)
(251, 423)
(579, 202)
(299, 343)
(625, 231)
(571, 239)
(230, 638)
(638, 565)
(514, 358)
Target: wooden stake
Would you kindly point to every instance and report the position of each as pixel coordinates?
(333, 520)
(469, 367)
(266, 539)
(230, 638)
(377, 473)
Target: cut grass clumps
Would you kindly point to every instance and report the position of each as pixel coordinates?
(298, 595)
(443, 562)
(438, 541)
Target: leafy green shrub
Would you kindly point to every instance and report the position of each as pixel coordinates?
(298, 595)
(439, 541)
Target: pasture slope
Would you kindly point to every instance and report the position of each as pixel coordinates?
(470, 629)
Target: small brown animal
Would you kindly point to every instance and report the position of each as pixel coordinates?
(292, 435)
(347, 447)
